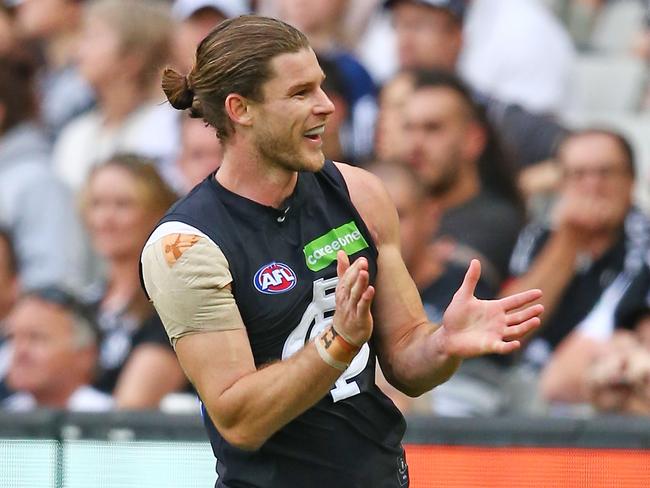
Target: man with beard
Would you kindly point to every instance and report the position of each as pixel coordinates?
(455, 153)
(280, 282)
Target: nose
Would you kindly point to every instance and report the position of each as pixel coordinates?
(324, 106)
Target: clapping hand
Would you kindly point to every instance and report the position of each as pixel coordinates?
(472, 327)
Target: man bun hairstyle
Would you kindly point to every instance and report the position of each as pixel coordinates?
(234, 58)
(179, 93)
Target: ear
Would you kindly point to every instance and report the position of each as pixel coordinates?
(238, 109)
(475, 141)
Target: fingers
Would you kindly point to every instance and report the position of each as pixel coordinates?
(514, 302)
(471, 279)
(506, 347)
(355, 280)
(518, 331)
(365, 302)
(342, 263)
(523, 315)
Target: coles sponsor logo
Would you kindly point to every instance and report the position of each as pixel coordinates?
(274, 278)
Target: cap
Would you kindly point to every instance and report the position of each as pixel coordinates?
(456, 7)
(183, 9)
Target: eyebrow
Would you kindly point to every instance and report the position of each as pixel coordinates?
(306, 84)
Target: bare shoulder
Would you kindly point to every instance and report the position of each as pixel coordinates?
(372, 201)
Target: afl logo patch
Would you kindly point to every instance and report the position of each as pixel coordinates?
(274, 278)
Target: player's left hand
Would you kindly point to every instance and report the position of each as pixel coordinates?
(472, 327)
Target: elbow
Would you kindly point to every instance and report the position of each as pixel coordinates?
(240, 433)
(243, 438)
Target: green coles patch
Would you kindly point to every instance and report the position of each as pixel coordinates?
(320, 252)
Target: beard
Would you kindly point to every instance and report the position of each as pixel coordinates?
(285, 152)
(443, 182)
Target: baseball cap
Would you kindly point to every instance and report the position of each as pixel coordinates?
(183, 9)
(456, 7)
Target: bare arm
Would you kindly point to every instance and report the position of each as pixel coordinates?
(149, 374)
(416, 355)
(551, 272)
(248, 405)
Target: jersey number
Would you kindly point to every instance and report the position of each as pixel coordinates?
(316, 318)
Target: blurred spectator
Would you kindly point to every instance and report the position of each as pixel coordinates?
(35, 207)
(430, 36)
(584, 258)
(334, 88)
(55, 25)
(390, 136)
(53, 355)
(7, 29)
(605, 359)
(518, 52)
(122, 48)
(8, 296)
(320, 21)
(201, 154)
(456, 155)
(458, 159)
(123, 200)
(194, 20)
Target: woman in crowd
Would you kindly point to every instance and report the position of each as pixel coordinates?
(123, 200)
(123, 45)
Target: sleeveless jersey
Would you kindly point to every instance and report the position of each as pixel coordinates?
(283, 264)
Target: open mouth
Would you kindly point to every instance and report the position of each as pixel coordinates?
(315, 133)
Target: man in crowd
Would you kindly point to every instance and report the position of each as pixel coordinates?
(53, 355)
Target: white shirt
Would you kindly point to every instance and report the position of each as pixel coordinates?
(84, 399)
(153, 130)
(517, 52)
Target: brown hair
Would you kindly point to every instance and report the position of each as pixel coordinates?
(143, 27)
(234, 58)
(156, 194)
(17, 92)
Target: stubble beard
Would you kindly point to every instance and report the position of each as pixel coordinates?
(284, 153)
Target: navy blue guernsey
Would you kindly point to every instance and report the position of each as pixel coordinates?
(283, 264)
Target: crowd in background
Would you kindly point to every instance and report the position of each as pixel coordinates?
(473, 113)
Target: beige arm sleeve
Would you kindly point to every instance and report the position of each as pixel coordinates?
(188, 280)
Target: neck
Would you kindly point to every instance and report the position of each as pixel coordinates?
(466, 187)
(59, 395)
(118, 99)
(59, 50)
(247, 174)
(124, 282)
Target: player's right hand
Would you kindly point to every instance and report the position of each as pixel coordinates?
(352, 319)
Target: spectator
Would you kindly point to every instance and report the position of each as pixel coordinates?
(122, 48)
(54, 352)
(334, 87)
(8, 296)
(430, 36)
(201, 154)
(56, 25)
(390, 136)
(604, 361)
(7, 30)
(123, 200)
(584, 258)
(457, 157)
(34, 206)
(320, 21)
(518, 52)
(194, 20)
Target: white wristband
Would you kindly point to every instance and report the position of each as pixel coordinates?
(325, 356)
